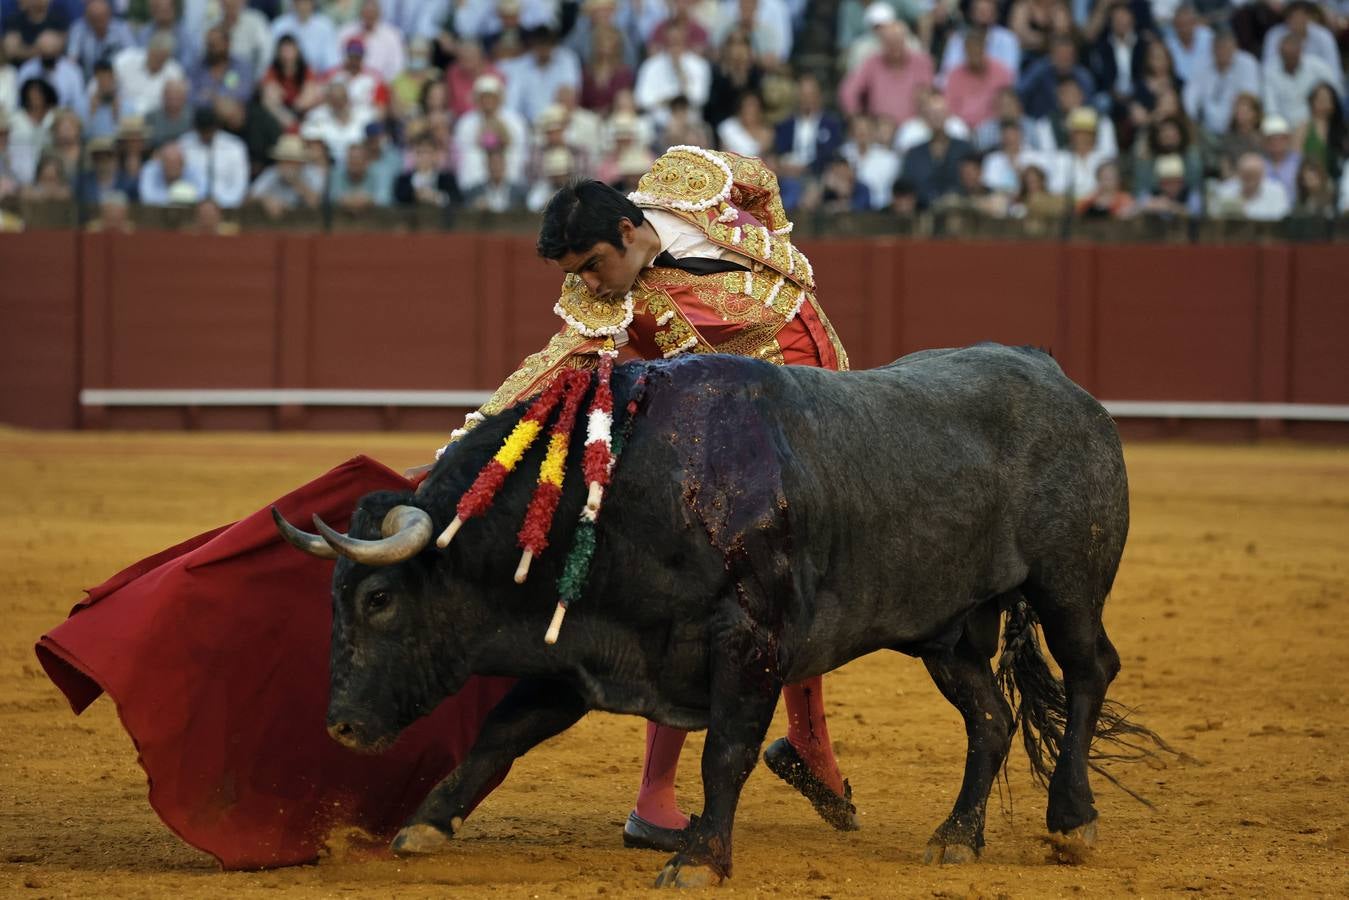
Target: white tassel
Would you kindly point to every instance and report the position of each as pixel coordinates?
(555, 626)
(522, 570)
(448, 534)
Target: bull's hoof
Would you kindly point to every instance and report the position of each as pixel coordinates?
(420, 840)
(783, 761)
(938, 853)
(681, 872)
(1072, 848)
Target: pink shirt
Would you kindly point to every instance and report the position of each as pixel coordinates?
(974, 96)
(878, 89)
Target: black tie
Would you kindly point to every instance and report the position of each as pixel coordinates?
(697, 265)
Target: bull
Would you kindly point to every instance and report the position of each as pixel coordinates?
(765, 524)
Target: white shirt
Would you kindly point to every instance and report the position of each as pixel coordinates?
(224, 164)
(658, 81)
(139, 89)
(916, 131)
(1124, 60)
(736, 138)
(877, 167)
(999, 43)
(1190, 59)
(682, 239)
(317, 37)
(472, 157)
(1074, 175)
(1269, 204)
(1211, 94)
(384, 53)
(1286, 94)
(337, 135)
(1002, 173)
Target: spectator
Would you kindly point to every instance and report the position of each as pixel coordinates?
(67, 142)
(167, 178)
(875, 165)
(839, 191)
(1170, 136)
(681, 15)
(1073, 171)
(48, 64)
(9, 84)
(24, 27)
(173, 118)
(1116, 61)
(1315, 192)
(313, 31)
(208, 219)
(365, 88)
(973, 85)
(142, 73)
(9, 179)
(805, 142)
(164, 19)
(289, 88)
(600, 15)
(1316, 39)
(1036, 201)
(290, 183)
(498, 193)
(1289, 80)
(1189, 41)
(1323, 138)
(220, 156)
(492, 20)
(1170, 197)
(30, 130)
(917, 130)
(1000, 44)
(747, 132)
(533, 79)
(103, 175)
(933, 167)
(1281, 160)
(767, 22)
(583, 126)
(676, 71)
(1252, 194)
(605, 72)
(470, 63)
(550, 133)
(51, 184)
(426, 183)
(405, 91)
(250, 37)
(490, 126)
(736, 73)
(1108, 200)
(1053, 132)
(1243, 135)
(903, 199)
(114, 215)
(435, 116)
(685, 128)
(220, 77)
(385, 160)
(383, 43)
(1036, 23)
(97, 36)
(886, 84)
(102, 102)
(556, 170)
(1213, 86)
(354, 185)
(1001, 168)
(626, 146)
(338, 123)
(1156, 81)
(132, 150)
(1038, 86)
(865, 40)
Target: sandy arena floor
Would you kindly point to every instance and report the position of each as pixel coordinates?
(1231, 613)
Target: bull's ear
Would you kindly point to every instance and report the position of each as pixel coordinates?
(312, 544)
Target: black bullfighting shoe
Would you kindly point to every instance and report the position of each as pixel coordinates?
(639, 834)
(783, 761)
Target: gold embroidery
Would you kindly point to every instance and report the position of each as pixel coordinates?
(756, 341)
(680, 176)
(594, 313)
(784, 304)
(525, 381)
(676, 335)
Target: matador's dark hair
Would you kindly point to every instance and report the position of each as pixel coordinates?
(581, 215)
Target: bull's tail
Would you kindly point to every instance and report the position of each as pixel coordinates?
(1040, 708)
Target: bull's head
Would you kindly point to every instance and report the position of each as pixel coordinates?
(396, 651)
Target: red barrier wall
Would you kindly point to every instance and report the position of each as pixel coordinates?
(455, 311)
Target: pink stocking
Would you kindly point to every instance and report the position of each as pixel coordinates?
(656, 798)
(808, 731)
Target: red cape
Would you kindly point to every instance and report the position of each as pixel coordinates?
(216, 654)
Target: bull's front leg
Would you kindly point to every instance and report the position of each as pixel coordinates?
(745, 690)
(532, 712)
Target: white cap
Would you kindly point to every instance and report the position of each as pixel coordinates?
(487, 84)
(878, 13)
(1274, 125)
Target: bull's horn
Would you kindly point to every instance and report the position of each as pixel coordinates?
(312, 544)
(406, 530)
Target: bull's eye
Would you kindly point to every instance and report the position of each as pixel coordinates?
(376, 601)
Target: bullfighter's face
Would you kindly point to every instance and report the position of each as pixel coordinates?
(608, 271)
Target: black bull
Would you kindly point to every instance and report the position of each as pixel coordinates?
(764, 524)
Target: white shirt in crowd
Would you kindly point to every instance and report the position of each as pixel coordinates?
(317, 37)
(472, 157)
(223, 163)
(1074, 175)
(771, 35)
(1210, 95)
(1286, 93)
(139, 90)
(251, 41)
(735, 137)
(661, 78)
(1000, 43)
(877, 167)
(1199, 53)
(1319, 43)
(1269, 204)
(1002, 173)
(384, 53)
(916, 131)
(336, 134)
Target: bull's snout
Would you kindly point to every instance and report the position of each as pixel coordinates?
(342, 732)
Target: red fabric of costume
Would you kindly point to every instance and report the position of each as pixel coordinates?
(216, 654)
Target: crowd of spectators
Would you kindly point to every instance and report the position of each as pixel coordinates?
(1092, 108)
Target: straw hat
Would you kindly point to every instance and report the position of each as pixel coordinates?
(1082, 119)
(557, 162)
(289, 149)
(1169, 166)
